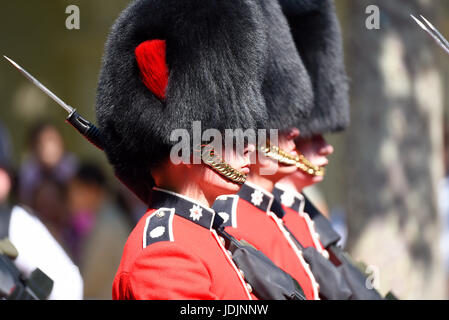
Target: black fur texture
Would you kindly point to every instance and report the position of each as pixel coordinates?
(299, 7)
(316, 31)
(216, 54)
(287, 86)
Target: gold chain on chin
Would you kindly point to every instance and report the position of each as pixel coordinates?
(222, 168)
(273, 152)
(301, 162)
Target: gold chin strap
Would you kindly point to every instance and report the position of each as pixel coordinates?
(285, 158)
(305, 165)
(221, 167)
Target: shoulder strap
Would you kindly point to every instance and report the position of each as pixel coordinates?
(226, 208)
(5, 218)
(323, 226)
(159, 227)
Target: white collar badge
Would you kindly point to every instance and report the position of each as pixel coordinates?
(257, 197)
(196, 213)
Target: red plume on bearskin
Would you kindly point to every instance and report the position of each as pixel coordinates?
(150, 56)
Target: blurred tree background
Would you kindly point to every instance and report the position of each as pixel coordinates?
(386, 167)
(389, 163)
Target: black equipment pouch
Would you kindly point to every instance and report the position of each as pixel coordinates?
(333, 284)
(355, 278)
(268, 281)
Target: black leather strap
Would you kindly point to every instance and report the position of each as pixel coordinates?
(328, 235)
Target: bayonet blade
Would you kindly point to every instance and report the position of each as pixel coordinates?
(66, 107)
(433, 32)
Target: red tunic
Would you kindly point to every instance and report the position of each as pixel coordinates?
(297, 221)
(248, 217)
(174, 254)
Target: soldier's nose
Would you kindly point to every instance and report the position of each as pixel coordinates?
(250, 148)
(293, 134)
(325, 148)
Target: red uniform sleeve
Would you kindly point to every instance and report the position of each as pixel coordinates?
(166, 271)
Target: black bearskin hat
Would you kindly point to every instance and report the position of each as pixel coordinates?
(287, 86)
(317, 34)
(216, 54)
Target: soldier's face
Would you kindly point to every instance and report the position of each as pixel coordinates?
(316, 150)
(50, 147)
(287, 143)
(272, 169)
(215, 184)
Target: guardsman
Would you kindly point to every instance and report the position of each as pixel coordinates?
(317, 35)
(316, 32)
(168, 64)
(249, 215)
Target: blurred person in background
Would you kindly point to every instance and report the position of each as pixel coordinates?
(47, 159)
(130, 204)
(49, 201)
(98, 230)
(36, 246)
